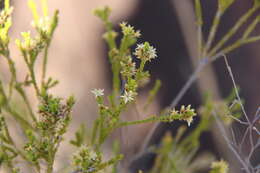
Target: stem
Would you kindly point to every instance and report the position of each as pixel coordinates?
(140, 70)
(102, 131)
(192, 79)
(147, 120)
(110, 39)
(116, 81)
(11, 142)
(13, 73)
(198, 11)
(223, 132)
(16, 83)
(213, 31)
(32, 73)
(199, 24)
(19, 118)
(236, 90)
(194, 76)
(199, 41)
(8, 109)
(250, 28)
(94, 131)
(44, 65)
(26, 100)
(233, 30)
(239, 43)
(232, 47)
(51, 155)
(50, 166)
(252, 39)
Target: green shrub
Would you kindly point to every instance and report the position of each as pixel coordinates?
(44, 128)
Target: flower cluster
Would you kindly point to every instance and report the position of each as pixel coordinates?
(86, 160)
(43, 24)
(129, 30)
(31, 152)
(98, 92)
(145, 51)
(54, 114)
(36, 149)
(185, 113)
(128, 67)
(53, 122)
(128, 96)
(127, 76)
(29, 44)
(219, 167)
(5, 15)
(5, 24)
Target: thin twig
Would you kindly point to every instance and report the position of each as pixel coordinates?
(235, 87)
(224, 134)
(233, 136)
(203, 62)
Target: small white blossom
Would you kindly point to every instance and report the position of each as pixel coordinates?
(93, 155)
(128, 96)
(129, 30)
(29, 43)
(44, 24)
(152, 52)
(189, 120)
(186, 114)
(98, 92)
(145, 51)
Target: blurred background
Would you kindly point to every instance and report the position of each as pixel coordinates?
(78, 59)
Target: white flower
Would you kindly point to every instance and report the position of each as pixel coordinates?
(44, 24)
(145, 51)
(128, 96)
(92, 155)
(29, 43)
(189, 120)
(140, 46)
(152, 52)
(98, 92)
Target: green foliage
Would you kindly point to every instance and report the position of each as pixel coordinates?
(44, 128)
(210, 51)
(89, 161)
(179, 153)
(54, 118)
(219, 167)
(133, 77)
